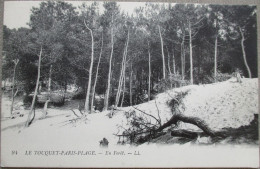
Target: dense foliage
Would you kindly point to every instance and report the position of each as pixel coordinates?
(179, 33)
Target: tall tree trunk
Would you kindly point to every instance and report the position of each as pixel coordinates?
(130, 85)
(141, 82)
(123, 83)
(173, 63)
(163, 58)
(109, 70)
(49, 83)
(16, 61)
(215, 58)
(184, 61)
(122, 75)
(49, 94)
(244, 53)
(119, 88)
(123, 97)
(169, 65)
(183, 57)
(95, 82)
(149, 81)
(90, 70)
(191, 59)
(29, 120)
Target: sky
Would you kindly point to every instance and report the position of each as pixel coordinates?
(17, 13)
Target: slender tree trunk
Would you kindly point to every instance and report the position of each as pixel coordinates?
(49, 94)
(123, 97)
(109, 70)
(169, 65)
(141, 82)
(184, 61)
(122, 75)
(130, 85)
(244, 53)
(123, 83)
(13, 94)
(49, 84)
(90, 71)
(182, 71)
(173, 63)
(95, 82)
(183, 57)
(29, 120)
(163, 58)
(120, 80)
(149, 78)
(191, 59)
(45, 108)
(215, 59)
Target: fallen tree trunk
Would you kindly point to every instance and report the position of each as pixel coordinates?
(192, 120)
(147, 133)
(184, 133)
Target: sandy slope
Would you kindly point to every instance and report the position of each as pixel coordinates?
(224, 104)
(220, 105)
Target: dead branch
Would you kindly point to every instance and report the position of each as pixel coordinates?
(148, 115)
(74, 113)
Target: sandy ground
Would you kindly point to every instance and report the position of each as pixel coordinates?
(221, 105)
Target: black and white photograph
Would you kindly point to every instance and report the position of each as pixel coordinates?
(129, 84)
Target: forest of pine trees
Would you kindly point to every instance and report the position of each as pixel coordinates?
(128, 58)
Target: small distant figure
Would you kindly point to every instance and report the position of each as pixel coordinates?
(103, 143)
(238, 76)
(111, 114)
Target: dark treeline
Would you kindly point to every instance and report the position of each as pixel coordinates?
(157, 47)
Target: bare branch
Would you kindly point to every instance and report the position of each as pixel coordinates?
(74, 113)
(147, 114)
